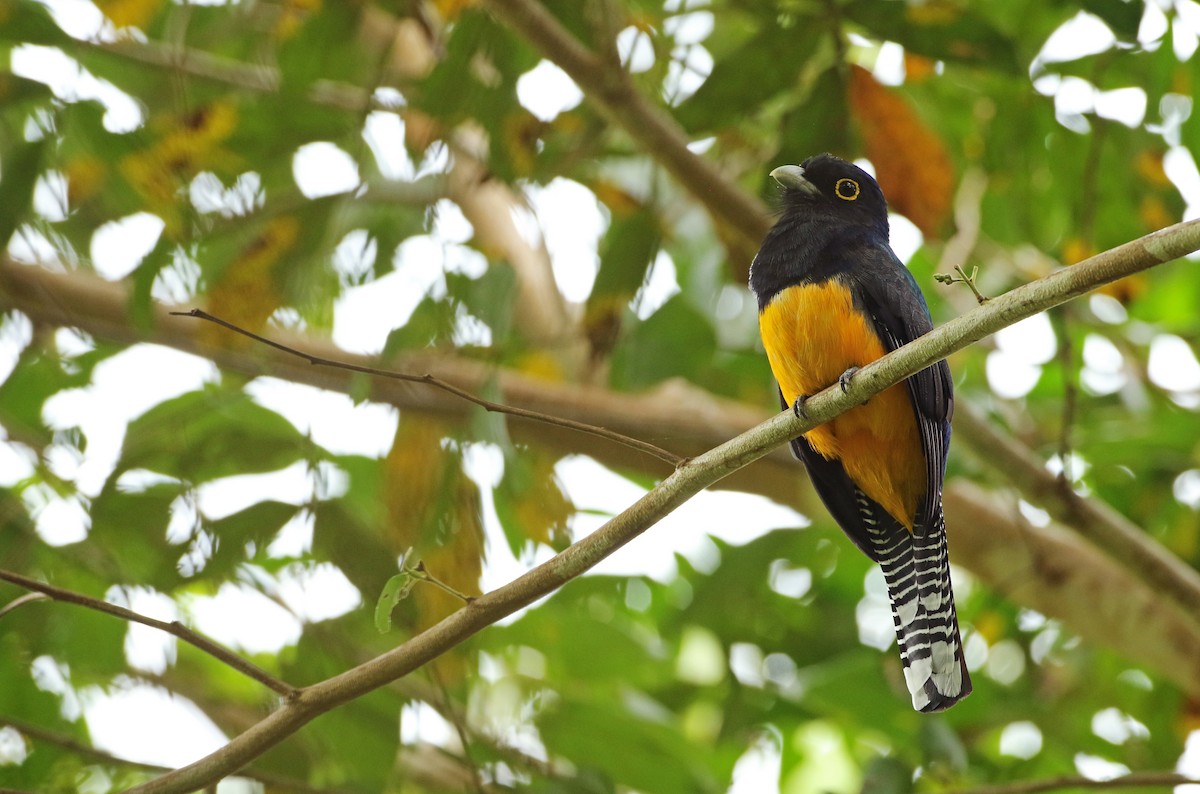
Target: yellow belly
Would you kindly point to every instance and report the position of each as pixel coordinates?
(813, 334)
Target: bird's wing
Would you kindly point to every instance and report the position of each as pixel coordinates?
(898, 312)
(836, 490)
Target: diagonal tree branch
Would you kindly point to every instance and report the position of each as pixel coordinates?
(672, 492)
(1095, 520)
(656, 132)
(174, 628)
(98, 307)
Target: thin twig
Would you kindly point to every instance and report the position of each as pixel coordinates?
(174, 628)
(1132, 780)
(487, 405)
(421, 573)
(45, 736)
(17, 603)
(963, 278)
(1070, 376)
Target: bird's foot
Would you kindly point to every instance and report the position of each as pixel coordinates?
(844, 379)
(798, 406)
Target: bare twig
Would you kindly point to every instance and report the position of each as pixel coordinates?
(17, 603)
(488, 405)
(174, 628)
(679, 487)
(421, 573)
(963, 278)
(1132, 780)
(45, 736)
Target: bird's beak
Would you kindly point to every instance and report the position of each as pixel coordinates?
(791, 177)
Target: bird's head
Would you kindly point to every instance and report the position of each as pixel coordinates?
(824, 185)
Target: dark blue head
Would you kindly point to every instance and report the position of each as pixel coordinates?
(828, 187)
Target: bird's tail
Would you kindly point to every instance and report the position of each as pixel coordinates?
(916, 567)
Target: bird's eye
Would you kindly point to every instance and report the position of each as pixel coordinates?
(846, 189)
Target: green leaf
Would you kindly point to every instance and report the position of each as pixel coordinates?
(208, 434)
(21, 165)
(675, 341)
(820, 123)
(945, 31)
(26, 21)
(396, 590)
(768, 63)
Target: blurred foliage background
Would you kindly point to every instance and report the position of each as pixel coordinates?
(198, 156)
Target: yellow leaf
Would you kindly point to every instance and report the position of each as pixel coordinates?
(543, 508)
(1149, 166)
(616, 198)
(1154, 213)
(932, 13)
(918, 68)
(911, 163)
(292, 14)
(451, 9)
(1076, 249)
(435, 510)
(85, 176)
(130, 13)
(539, 364)
(246, 292)
(185, 146)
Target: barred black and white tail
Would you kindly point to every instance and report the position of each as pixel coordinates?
(916, 567)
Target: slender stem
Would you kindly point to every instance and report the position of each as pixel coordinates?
(175, 628)
(487, 405)
(420, 572)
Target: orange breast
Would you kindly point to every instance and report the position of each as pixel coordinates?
(813, 334)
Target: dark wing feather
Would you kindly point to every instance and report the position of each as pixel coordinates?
(837, 492)
(891, 298)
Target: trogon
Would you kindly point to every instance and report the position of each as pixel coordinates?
(833, 297)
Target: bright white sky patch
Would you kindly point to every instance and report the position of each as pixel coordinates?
(323, 169)
(1173, 364)
(71, 82)
(118, 247)
(1124, 105)
(1103, 365)
(572, 221)
(1021, 740)
(123, 387)
(635, 50)
(734, 517)
(384, 134)
(332, 419)
(659, 286)
(243, 618)
(193, 734)
(546, 90)
(1083, 35)
(1014, 367)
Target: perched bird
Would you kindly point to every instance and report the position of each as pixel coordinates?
(833, 297)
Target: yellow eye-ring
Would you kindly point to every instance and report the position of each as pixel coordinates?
(846, 189)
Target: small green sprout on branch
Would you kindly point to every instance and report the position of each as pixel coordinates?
(401, 585)
(963, 278)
